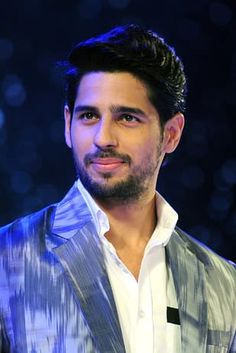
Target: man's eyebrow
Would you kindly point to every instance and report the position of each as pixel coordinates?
(125, 109)
(113, 109)
(83, 108)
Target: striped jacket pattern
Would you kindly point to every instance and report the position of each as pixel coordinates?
(55, 295)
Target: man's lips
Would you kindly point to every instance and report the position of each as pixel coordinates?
(106, 161)
(106, 164)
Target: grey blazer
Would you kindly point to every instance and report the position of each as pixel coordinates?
(55, 295)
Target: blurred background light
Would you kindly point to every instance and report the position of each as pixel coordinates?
(6, 49)
(228, 171)
(219, 204)
(2, 118)
(14, 91)
(220, 13)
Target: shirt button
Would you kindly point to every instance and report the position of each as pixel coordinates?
(141, 313)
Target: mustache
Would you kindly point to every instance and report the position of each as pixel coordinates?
(106, 154)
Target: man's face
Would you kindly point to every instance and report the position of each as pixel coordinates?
(115, 137)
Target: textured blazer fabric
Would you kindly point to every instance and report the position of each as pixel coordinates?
(55, 295)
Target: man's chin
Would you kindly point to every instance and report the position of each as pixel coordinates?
(113, 191)
(104, 185)
(106, 180)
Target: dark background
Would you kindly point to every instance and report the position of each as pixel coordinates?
(35, 166)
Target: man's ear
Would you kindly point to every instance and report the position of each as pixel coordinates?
(67, 117)
(172, 132)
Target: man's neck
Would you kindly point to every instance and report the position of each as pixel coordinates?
(131, 227)
(133, 223)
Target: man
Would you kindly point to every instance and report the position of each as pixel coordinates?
(107, 270)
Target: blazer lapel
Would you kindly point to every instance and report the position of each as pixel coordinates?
(189, 279)
(81, 257)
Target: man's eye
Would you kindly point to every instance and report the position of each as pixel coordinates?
(129, 118)
(88, 116)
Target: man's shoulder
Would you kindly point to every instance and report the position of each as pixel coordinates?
(27, 225)
(213, 261)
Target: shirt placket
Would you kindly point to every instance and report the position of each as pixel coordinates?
(144, 316)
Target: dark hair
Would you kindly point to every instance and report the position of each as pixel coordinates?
(132, 49)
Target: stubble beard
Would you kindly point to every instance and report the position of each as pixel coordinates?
(125, 191)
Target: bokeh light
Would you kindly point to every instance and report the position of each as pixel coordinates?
(220, 13)
(2, 118)
(6, 49)
(13, 90)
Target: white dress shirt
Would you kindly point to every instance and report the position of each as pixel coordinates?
(142, 305)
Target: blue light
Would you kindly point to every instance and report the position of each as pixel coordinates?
(228, 171)
(6, 49)
(2, 118)
(220, 14)
(15, 94)
(14, 91)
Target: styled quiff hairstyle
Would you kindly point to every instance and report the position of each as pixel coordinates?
(132, 49)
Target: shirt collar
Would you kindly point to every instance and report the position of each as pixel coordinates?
(167, 218)
(166, 215)
(99, 217)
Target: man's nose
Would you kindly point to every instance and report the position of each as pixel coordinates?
(105, 135)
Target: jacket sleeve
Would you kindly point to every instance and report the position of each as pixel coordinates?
(233, 345)
(4, 343)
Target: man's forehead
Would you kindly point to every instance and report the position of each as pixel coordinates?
(113, 91)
